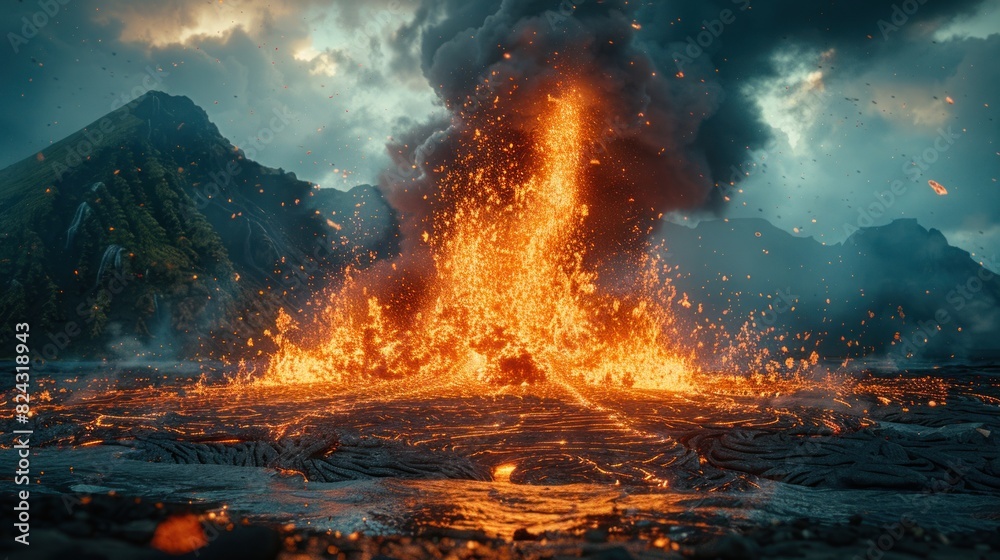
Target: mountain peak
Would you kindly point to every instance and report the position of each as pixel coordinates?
(206, 243)
(169, 114)
(156, 100)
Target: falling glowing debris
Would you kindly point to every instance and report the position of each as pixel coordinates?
(949, 100)
(547, 320)
(938, 187)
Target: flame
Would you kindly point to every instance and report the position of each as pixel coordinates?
(510, 300)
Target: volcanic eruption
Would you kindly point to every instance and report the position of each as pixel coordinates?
(512, 297)
(528, 339)
(527, 218)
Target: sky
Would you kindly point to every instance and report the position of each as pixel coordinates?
(819, 116)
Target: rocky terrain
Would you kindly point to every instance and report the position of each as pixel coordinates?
(118, 527)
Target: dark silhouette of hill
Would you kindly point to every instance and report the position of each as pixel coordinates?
(897, 290)
(149, 233)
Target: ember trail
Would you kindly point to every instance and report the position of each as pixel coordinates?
(512, 297)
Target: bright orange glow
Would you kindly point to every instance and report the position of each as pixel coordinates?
(511, 300)
(502, 472)
(179, 534)
(938, 187)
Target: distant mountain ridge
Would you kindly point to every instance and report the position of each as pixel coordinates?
(148, 233)
(898, 290)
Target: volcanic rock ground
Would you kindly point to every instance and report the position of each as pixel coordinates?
(865, 464)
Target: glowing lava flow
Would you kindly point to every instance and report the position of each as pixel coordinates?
(510, 300)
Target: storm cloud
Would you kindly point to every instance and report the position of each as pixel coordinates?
(790, 111)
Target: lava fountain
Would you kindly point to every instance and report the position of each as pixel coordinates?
(512, 296)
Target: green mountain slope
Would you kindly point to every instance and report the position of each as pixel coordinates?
(149, 234)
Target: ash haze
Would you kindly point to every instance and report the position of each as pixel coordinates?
(813, 109)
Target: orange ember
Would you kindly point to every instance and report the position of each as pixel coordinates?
(179, 534)
(510, 298)
(938, 187)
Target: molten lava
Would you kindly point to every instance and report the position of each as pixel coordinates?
(511, 297)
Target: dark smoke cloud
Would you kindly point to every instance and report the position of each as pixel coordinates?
(858, 33)
(701, 123)
(648, 121)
